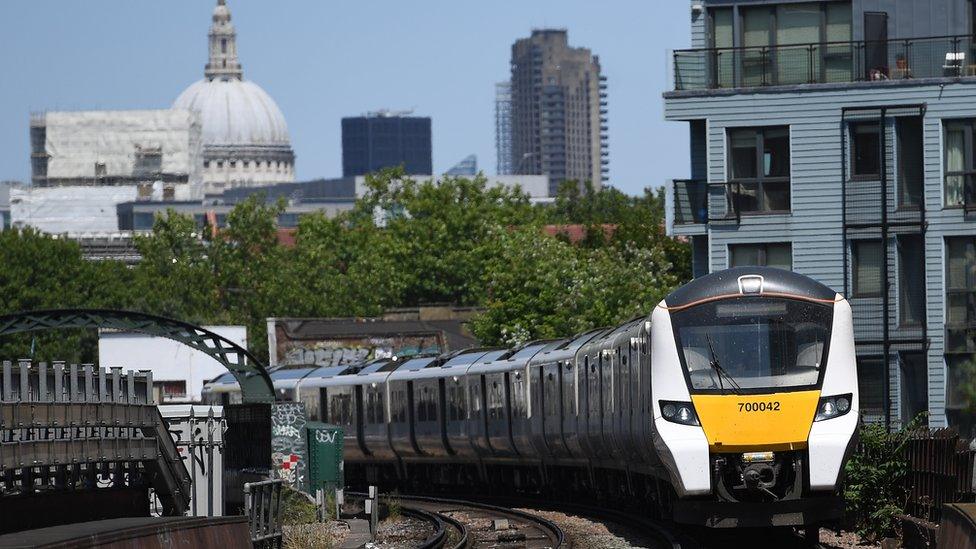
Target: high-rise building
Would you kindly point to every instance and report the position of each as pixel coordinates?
(503, 127)
(836, 139)
(386, 139)
(559, 110)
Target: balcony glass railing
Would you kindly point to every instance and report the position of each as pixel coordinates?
(825, 62)
(690, 202)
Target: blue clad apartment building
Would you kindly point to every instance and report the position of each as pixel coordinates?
(838, 139)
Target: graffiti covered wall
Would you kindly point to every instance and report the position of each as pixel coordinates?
(289, 448)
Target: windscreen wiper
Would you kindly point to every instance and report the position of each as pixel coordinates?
(719, 370)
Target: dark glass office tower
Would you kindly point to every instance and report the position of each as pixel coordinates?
(384, 140)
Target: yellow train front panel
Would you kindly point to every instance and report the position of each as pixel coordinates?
(765, 422)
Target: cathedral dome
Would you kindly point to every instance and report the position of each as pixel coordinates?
(245, 137)
(235, 112)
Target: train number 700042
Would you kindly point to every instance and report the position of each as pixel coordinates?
(759, 406)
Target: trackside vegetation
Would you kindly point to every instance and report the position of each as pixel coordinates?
(405, 243)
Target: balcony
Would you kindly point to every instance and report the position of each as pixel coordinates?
(824, 63)
(700, 202)
(690, 202)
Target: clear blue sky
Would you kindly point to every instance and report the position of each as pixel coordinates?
(322, 60)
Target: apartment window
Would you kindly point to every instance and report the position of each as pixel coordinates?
(911, 280)
(959, 162)
(760, 169)
(911, 162)
(866, 150)
(868, 258)
(776, 44)
(778, 255)
(961, 392)
(914, 385)
(870, 385)
(960, 280)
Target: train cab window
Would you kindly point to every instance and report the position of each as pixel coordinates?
(753, 342)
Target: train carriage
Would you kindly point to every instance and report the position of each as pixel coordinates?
(734, 403)
(414, 407)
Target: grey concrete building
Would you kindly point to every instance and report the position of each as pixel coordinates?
(836, 139)
(328, 196)
(558, 110)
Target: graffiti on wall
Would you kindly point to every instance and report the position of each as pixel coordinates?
(345, 352)
(289, 449)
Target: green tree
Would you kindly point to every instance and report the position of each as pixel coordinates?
(541, 287)
(39, 271)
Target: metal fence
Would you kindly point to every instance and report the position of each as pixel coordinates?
(262, 506)
(824, 62)
(940, 471)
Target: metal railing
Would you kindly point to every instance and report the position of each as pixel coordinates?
(824, 62)
(262, 506)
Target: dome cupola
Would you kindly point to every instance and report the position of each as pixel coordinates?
(245, 137)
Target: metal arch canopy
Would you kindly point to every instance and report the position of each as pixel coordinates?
(251, 374)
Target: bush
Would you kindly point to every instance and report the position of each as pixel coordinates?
(296, 508)
(874, 489)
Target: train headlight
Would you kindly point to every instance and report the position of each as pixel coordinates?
(679, 412)
(833, 406)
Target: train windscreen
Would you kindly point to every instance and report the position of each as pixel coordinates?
(753, 343)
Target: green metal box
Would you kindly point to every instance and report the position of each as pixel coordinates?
(325, 463)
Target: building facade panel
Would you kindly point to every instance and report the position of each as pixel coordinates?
(838, 172)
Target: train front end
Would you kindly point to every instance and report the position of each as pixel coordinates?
(755, 398)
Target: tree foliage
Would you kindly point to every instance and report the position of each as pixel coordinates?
(405, 243)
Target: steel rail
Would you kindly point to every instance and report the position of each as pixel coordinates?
(552, 530)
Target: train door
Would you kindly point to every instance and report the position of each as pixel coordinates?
(519, 412)
(479, 414)
(537, 399)
(646, 420)
(609, 404)
(634, 388)
(571, 408)
(594, 428)
(442, 407)
(553, 408)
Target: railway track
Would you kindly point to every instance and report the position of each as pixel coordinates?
(477, 524)
(664, 535)
(498, 522)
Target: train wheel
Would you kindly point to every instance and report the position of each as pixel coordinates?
(812, 533)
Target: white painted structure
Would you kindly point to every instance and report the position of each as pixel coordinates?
(171, 362)
(198, 432)
(116, 147)
(81, 209)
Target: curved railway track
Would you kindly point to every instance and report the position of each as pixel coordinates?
(483, 525)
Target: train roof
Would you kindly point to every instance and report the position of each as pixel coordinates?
(726, 284)
(509, 360)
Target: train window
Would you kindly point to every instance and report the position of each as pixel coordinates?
(518, 396)
(757, 342)
(475, 397)
(495, 400)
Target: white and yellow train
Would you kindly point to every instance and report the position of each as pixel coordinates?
(734, 403)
